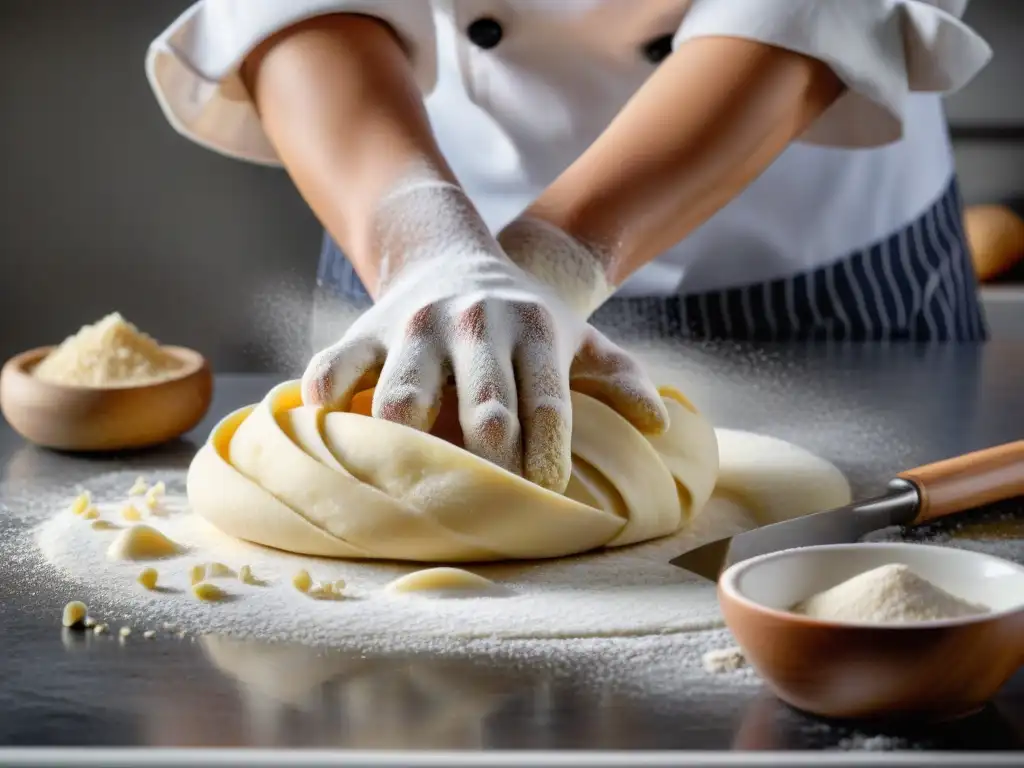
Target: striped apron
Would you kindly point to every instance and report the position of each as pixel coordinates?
(917, 284)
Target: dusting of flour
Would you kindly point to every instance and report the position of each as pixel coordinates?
(626, 592)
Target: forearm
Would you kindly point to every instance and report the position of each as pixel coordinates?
(337, 98)
(714, 116)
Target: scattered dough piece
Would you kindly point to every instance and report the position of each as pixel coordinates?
(74, 613)
(154, 494)
(139, 488)
(100, 629)
(141, 542)
(196, 574)
(149, 634)
(148, 578)
(104, 525)
(81, 503)
(131, 512)
(89, 622)
(444, 581)
(208, 592)
(91, 513)
(723, 660)
(245, 575)
(321, 591)
(302, 581)
(218, 571)
(123, 632)
(339, 586)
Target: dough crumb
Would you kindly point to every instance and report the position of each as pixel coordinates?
(444, 582)
(124, 632)
(111, 352)
(74, 613)
(149, 634)
(141, 542)
(148, 578)
(100, 629)
(89, 622)
(302, 581)
(208, 592)
(218, 571)
(91, 513)
(154, 494)
(139, 488)
(196, 574)
(723, 660)
(327, 590)
(104, 525)
(81, 503)
(890, 594)
(131, 512)
(245, 575)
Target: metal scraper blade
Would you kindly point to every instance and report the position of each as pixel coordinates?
(836, 526)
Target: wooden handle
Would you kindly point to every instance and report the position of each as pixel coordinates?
(968, 481)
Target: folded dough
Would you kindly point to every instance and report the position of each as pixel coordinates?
(343, 484)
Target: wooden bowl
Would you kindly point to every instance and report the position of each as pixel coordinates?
(933, 670)
(73, 418)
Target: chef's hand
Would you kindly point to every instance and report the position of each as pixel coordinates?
(450, 302)
(576, 272)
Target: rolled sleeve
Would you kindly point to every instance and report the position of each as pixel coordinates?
(882, 50)
(193, 67)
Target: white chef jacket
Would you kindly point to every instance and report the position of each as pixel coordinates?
(514, 109)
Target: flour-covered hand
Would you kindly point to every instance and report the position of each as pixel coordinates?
(450, 303)
(577, 272)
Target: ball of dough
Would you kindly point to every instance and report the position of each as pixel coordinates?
(342, 484)
(996, 238)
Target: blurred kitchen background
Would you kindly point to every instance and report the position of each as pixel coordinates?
(104, 207)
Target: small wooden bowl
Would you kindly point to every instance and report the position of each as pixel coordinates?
(934, 670)
(74, 418)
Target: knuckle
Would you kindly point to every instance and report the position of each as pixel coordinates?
(397, 407)
(493, 424)
(471, 322)
(421, 322)
(536, 321)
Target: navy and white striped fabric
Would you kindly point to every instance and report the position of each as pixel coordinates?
(918, 284)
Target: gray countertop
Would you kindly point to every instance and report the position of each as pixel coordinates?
(873, 410)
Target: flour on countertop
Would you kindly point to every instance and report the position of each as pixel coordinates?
(631, 591)
(658, 667)
(890, 594)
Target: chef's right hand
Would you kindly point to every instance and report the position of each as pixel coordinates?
(450, 303)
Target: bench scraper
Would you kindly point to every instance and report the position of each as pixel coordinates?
(914, 497)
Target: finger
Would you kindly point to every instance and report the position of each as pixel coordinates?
(481, 358)
(337, 373)
(409, 389)
(545, 407)
(608, 373)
